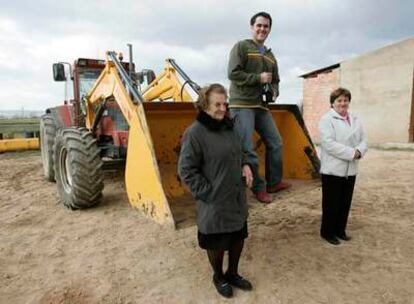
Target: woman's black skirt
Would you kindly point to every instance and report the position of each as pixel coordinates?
(221, 241)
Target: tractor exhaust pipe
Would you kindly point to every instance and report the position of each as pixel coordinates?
(131, 68)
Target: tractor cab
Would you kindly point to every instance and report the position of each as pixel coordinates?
(112, 129)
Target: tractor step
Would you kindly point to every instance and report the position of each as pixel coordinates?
(110, 164)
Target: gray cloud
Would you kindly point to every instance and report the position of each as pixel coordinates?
(306, 35)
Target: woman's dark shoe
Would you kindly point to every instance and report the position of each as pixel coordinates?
(331, 240)
(344, 237)
(223, 287)
(238, 281)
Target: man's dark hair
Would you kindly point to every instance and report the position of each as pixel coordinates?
(339, 92)
(261, 14)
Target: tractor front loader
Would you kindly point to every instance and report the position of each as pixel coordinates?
(112, 121)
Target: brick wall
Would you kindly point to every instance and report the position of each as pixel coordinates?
(316, 91)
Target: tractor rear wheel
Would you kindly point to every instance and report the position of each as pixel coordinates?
(78, 173)
(47, 139)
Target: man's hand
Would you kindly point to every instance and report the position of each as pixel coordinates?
(247, 173)
(265, 77)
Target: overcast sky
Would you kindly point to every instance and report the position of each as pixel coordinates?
(306, 35)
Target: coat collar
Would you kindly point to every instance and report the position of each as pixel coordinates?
(337, 115)
(257, 46)
(214, 124)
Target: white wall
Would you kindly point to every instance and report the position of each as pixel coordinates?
(381, 83)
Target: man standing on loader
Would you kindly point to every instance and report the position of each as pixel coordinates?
(254, 77)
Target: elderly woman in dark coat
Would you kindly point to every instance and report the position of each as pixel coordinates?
(214, 167)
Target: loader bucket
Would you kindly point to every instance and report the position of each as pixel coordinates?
(157, 189)
(300, 160)
(151, 171)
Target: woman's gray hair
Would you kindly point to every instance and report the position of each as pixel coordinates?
(205, 92)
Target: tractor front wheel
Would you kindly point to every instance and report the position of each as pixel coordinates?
(77, 164)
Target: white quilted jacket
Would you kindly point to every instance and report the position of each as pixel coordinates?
(339, 140)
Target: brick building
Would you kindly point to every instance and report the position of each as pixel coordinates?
(382, 87)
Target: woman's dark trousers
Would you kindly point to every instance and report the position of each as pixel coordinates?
(336, 202)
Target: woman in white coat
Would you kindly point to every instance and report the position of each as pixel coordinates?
(343, 143)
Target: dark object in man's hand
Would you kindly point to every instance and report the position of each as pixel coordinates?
(267, 94)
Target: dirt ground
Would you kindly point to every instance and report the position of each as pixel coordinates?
(113, 254)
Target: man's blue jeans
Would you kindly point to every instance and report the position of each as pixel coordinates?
(246, 122)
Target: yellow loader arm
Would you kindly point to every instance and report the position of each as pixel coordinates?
(167, 86)
(142, 176)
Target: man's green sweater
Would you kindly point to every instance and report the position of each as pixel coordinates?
(245, 65)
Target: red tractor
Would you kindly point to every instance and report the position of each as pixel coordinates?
(112, 121)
